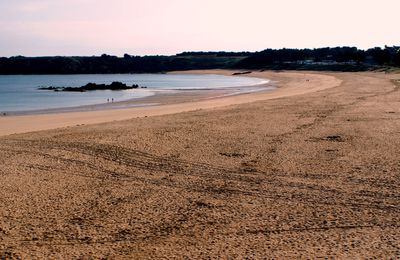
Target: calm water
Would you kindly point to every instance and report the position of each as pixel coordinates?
(20, 92)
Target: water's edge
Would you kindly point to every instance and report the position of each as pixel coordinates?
(159, 96)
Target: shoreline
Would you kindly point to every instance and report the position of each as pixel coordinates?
(287, 84)
(156, 99)
(287, 177)
(143, 96)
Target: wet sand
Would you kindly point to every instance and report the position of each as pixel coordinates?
(169, 104)
(309, 170)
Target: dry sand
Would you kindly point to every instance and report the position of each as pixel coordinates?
(311, 170)
(304, 83)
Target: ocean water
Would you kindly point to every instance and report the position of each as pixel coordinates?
(21, 93)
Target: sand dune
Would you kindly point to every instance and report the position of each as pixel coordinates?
(310, 170)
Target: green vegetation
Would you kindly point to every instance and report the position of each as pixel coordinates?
(334, 59)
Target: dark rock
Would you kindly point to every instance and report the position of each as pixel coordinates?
(93, 86)
(241, 73)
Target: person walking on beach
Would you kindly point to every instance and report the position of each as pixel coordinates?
(112, 100)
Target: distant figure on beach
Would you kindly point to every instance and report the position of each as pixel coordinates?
(112, 100)
(108, 100)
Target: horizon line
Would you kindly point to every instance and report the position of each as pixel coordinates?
(197, 51)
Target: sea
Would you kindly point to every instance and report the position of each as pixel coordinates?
(21, 92)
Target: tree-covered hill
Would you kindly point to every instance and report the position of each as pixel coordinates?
(338, 58)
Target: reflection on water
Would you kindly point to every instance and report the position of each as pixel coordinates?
(20, 92)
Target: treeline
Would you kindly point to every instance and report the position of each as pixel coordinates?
(216, 53)
(111, 64)
(323, 57)
(339, 58)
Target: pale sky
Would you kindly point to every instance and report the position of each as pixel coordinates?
(147, 27)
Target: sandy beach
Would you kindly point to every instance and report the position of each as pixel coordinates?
(308, 170)
(168, 104)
